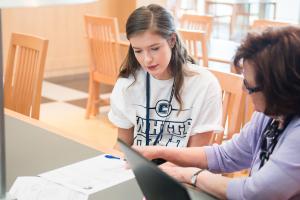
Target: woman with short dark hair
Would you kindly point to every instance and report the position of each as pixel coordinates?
(270, 143)
(274, 57)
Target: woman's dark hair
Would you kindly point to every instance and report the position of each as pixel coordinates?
(275, 57)
(158, 20)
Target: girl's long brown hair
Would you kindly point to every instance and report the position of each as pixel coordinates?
(158, 20)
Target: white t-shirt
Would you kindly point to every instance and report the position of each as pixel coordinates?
(201, 110)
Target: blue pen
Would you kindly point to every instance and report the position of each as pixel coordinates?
(111, 157)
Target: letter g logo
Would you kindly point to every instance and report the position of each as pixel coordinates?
(163, 109)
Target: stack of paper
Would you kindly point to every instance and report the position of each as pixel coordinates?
(75, 181)
(36, 188)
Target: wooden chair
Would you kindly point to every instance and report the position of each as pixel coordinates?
(219, 15)
(260, 24)
(191, 39)
(231, 85)
(197, 22)
(105, 58)
(248, 111)
(215, 48)
(24, 74)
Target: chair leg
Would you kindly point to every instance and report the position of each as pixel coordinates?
(96, 98)
(90, 99)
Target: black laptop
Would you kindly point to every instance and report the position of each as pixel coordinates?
(154, 183)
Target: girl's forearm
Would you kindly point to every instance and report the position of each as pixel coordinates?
(186, 157)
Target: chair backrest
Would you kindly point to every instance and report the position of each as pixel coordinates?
(197, 22)
(231, 85)
(24, 74)
(196, 44)
(261, 24)
(103, 38)
(248, 111)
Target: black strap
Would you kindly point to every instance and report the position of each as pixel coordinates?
(163, 124)
(148, 112)
(270, 138)
(147, 108)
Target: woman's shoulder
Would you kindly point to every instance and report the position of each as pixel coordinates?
(294, 127)
(260, 120)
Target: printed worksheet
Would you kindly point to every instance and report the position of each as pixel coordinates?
(37, 188)
(91, 175)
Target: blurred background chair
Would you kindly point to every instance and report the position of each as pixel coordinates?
(260, 24)
(24, 74)
(239, 14)
(105, 57)
(215, 47)
(249, 110)
(197, 22)
(193, 40)
(231, 85)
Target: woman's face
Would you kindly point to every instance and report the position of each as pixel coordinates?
(257, 98)
(153, 52)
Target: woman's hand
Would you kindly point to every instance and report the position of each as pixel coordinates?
(181, 174)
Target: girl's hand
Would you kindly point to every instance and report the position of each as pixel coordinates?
(150, 152)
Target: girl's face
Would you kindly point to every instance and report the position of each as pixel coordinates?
(153, 52)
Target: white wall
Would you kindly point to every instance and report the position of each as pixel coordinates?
(140, 3)
(288, 10)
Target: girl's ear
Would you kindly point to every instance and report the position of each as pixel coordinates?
(172, 40)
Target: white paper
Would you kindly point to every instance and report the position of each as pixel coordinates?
(91, 175)
(36, 188)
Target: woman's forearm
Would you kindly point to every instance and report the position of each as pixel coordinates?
(214, 184)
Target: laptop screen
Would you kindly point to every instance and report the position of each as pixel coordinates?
(154, 183)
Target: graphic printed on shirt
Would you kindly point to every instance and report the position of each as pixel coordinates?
(163, 115)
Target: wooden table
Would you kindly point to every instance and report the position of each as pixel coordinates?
(33, 147)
